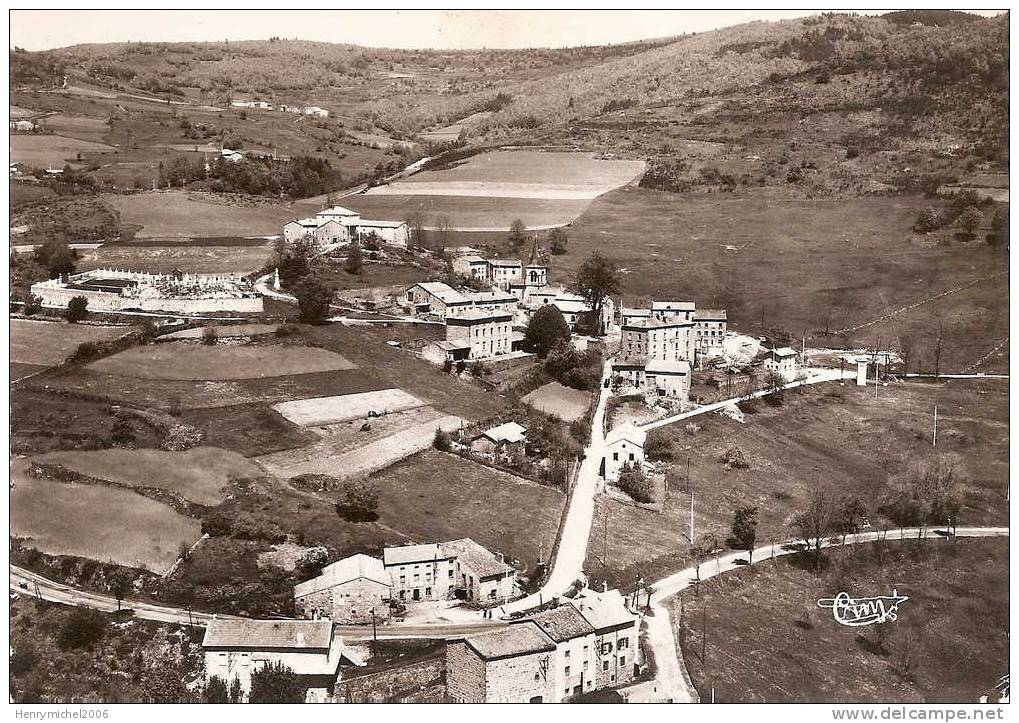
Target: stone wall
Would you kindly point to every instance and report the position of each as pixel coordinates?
(350, 603)
(465, 674)
(55, 295)
(521, 678)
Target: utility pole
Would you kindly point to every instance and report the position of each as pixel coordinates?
(375, 632)
(934, 442)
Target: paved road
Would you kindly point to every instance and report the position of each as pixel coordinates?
(569, 561)
(816, 375)
(39, 586)
(673, 680)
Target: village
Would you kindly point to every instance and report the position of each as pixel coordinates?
(344, 374)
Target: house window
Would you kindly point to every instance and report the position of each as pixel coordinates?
(605, 665)
(567, 654)
(428, 592)
(451, 572)
(624, 643)
(606, 648)
(567, 671)
(615, 456)
(622, 660)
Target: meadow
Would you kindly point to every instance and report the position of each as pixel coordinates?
(553, 398)
(768, 641)
(80, 127)
(200, 475)
(467, 213)
(803, 266)
(51, 151)
(199, 362)
(103, 523)
(190, 259)
(49, 343)
(843, 440)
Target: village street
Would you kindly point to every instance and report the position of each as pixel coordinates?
(568, 565)
(672, 682)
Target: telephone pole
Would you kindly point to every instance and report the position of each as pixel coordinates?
(934, 441)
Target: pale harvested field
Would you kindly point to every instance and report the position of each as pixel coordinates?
(48, 343)
(565, 403)
(51, 150)
(98, 522)
(169, 214)
(222, 332)
(197, 362)
(18, 112)
(321, 458)
(199, 475)
(189, 259)
(468, 213)
(330, 410)
(88, 129)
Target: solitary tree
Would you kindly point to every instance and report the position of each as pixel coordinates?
(441, 440)
(517, 233)
(355, 261)
(209, 336)
(56, 257)
(77, 309)
(970, 219)
(235, 690)
(275, 683)
(545, 328)
(634, 482)
(744, 530)
(851, 514)
(596, 280)
(358, 499)
(415, 221)
(816, 523)
(928, 220)
(313, 299)
(562, 358)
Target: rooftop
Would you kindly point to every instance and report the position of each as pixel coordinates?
(603, 609)
(563, 623)
(381, 224)
(268, 634)
(710, 315)
(474, 314)
(478, 558)
(673, 306)
(627, 432)
(522, 639)
(505, 262)
(783, 352)
(355, 567)
(413, 553)
(509, 432)
(337, 211)
(661, 366)
(444, 292)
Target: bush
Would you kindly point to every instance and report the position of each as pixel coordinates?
(180, 437)
(215, 691)
(82, 628)
(358, 500)
(562, 357)
(928, 220)
(735, 459)
(87, 352)
(121, 432)
(635, 483)
(313, 300)
(218, 525)
(658, 447)
(77, 309)
(275, 683)
(33, 304)
(209, 336)
(287, 330)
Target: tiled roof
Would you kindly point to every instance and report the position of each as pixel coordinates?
(413, 553)
(603, 609)
(627, 432)
(710, 315)
(505, 262)
(480, 559)
(443, 292)
(563, 623)
(673, 305)
(660, 366)
(268, 634)
(521, 639)
(338, 211)
(355, 567)
(784, 352)
(508, 432)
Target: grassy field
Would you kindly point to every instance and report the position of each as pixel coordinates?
(249, 429)
(50, 151)
(840, 439)
(198, 362)
(233, 259)
(103, 523)
(22, 193)
(80, 127)
(469, 213)
(200, 475)
(330, 410)
(198, 215)
(434, 496)
(565, 403)
(767, 640)
(48, 343)
(807, 264)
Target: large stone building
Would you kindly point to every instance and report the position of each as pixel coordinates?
(237, 647)
(354, 590)
(436, 298)
(483, 333)
(586, 644)
(115, 290)
(338, 225)
(447, 570)
(782, 363)
(710, 326)
(478, 574)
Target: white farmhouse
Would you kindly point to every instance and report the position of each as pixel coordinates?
(623, 445)
(782, 362)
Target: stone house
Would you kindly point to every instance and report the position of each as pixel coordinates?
(710, 327)
(782, 362)
(323, 230)
(623, 445)
(500, 438)
(486, 333)
(514, 665)
(471, 266)
(348, 591)
(420, 572)
(236, 647)
(502, 272)
(673, 310)
(437, 298)
(667, 378)
(616, 636)
(479, 574)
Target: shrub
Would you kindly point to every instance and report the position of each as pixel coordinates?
(33, 304)
(635, 483)
(658, 447)
(218, 525)
(735, 459)
(209, 336)
(86, 352)
(287, 330)
(358, 500)
(315, 482)
(928, 220)
(82, 628)
(275, 683)
(121, 432)
(313, 300)
(215, 691)
(77, 309)
(180, 437)
(562, 357)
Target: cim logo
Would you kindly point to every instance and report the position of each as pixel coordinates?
(856, 612)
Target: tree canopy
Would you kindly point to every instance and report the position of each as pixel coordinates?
(596, 280)
(276, 683)
(544, 329)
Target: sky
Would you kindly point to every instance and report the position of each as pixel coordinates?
(442, 29)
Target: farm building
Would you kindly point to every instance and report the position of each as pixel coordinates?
(314, 110)
(480, 575)
(486, 333)
(339, 224)
(668, 378)
(113, 290)
(498, 439)
(782, 362)
(353, 590)
(471, 266)
(23, 126)
(236, 647)
(623, 445)
(589, 643)
(435, 297)
(444, 571)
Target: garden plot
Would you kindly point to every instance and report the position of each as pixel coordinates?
(346, 460)
(97, 522)
(330, 410)
(223, 332)
(200, 475)
(48, 343)
(197, 362)
(553, 398)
